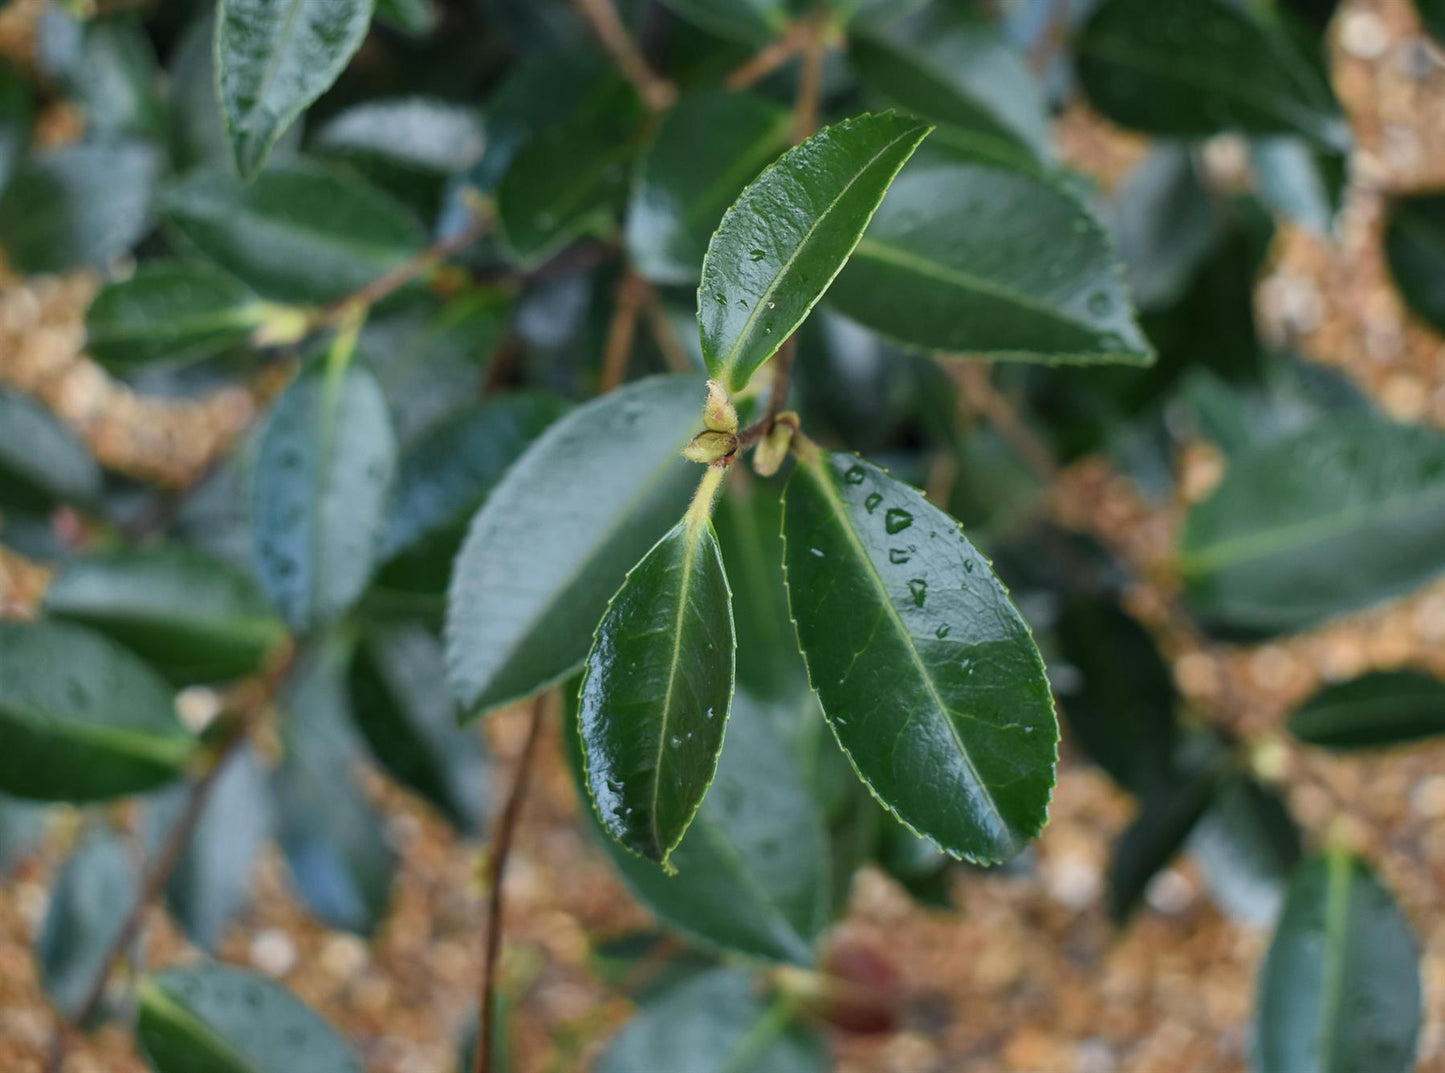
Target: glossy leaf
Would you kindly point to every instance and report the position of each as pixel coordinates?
(401, 703)
(557, 535)
(81, 719)
(749, 21)
(1415, 250)
(321, 491)
(927, 674)
(219, 1019)
(1340, 990)
(1247, 847)
(752, 870)
(211, 882)
(783, 241)
(169, 311)
(716, 1023)
(190, 616)
(1192, 68)
(1376, 709)
(42, 462)
(300, 233)
(274, 58)
(707, 148)
(416, 133)
(81, 204)
(658, 688)
(94, 891)
(16, 115)
(976, 259)
(1340, 516)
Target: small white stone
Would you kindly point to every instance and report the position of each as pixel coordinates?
(1170, 892)
(273, 952)
(1364, 35)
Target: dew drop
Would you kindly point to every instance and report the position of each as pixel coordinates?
(919, 588)
(871, 503)
(675, 741)
(855, 475)
(897, 520)
(1100, 303)
(817, 551)
(898, 556)
(942, 631)
(755, 255)
(968, 566)
(721, 298)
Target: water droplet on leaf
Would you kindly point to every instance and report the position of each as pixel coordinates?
(897, 520)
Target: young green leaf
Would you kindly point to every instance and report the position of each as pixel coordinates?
(321, 491)
(1376, 709)
(171, 311)
(716, 1023)
(1415, 251)
(658, 686)
(927, 674)
(42, 462)
(1340, 990)
(976, 259)
(559, 532)
(782, 242)
(274, 58)
(1192, 68)
(81, 719)
(302, 232)
(219, 1019)
(706, 150)
(1340, 516)
(192, 617)
(752, 22)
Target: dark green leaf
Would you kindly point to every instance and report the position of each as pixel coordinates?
(414, 17)
(212, 879)
(706, 150)
(88, 907)
(927, 674)
(1246, 846)
(107, 67)
(15, 120)
(41, 461)
(274, 58)
(401, 703)
(321, 491)
(716, 1023)
(782, 242)
(81, 719)
(1432, 15)
(1300, 181)
(1343, 515)
(169, 311)
(192, 617)
(1163, 223)
(417, 133)
(1380, 708)
(1340, 990)
(1192, 68)
(559, 532)
(658, 687)
(212, 1018)
(1415, 249)
(300, 233)
(78, 205)
(750, 21)
(956, 69)
(752, 870)
(976, 259)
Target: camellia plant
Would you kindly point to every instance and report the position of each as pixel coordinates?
(636, 363)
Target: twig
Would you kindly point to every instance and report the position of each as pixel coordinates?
(770, 57)
(1051, 37)
(663, 333)
(496, 873)
(621, 331)
(777, 397)
(657, 92)
(810, 83)
(972, 378)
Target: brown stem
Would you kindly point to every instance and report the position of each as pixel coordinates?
(972, 378)
(496, 872)
(1050, 39)
(770, 57)
(621, 331)
(657, 92)
(810, 84)
(777, 397)
(663, 333)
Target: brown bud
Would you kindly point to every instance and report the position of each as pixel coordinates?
(710, 447)
(718, 413)
(773, 448)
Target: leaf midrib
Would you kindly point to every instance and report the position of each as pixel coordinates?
(160, 1003)
(1337, 919)
(273, 64)
(170, 329)
(170, 750)
(690, 535)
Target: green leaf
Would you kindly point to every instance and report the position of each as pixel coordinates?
(976, 259)
(658, 687)
(1432, 17)
(417, 133)
(274, 58)
(1415, 251)
(300, 233)
(401, 703)
(558, 533)
(16, 116)
(169, 311)
(716, 1023)
(213, 1018)
(1192, 68)
(192, 617)
(321, 491)
(42, 462)
(88, 906)
(211, 882)
(1338, 517)
(783, 241)
(1376, 709)
(752, 870)
(1163, 223)
(107, 67)
(927, 674)
(1246, 846)
(81, 719)
(956, 69)
(1300, 181)
(706, 150)
(82, 204)
(1340, 990)
(414, 17)
(752, 22)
